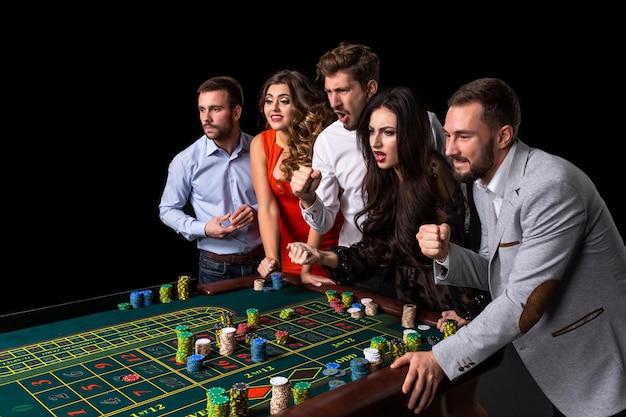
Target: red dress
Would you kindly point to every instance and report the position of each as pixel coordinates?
(293, 228)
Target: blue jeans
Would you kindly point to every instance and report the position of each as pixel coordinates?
(211, 270)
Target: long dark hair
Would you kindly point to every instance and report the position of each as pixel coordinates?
(395, 209)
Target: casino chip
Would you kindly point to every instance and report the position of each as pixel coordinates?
(433, 340)
(131, 378)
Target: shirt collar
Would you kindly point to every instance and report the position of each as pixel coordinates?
(212, 147)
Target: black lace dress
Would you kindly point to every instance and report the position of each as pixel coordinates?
(412, 281)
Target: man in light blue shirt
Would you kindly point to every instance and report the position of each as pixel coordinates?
(212, 175)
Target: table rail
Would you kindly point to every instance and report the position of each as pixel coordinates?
(376, 393)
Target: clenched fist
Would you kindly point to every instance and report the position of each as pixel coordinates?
(304, 182)
(434, 240)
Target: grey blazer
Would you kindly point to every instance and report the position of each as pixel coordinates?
(554, 247)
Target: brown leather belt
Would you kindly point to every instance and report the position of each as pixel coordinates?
(245, 258)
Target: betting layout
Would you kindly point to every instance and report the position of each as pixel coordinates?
(131, 369)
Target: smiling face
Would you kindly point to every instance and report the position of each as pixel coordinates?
(278, 107)
(382, 137)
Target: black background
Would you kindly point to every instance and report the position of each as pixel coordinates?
(103, 103)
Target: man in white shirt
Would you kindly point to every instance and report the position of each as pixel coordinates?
(333, 183)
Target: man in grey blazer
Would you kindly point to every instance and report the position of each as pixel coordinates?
(551, 256)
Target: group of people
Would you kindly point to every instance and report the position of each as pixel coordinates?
(364, 186)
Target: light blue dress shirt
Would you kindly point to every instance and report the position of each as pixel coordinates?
(214, 183)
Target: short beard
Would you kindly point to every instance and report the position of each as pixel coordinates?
(479, 167)
(224, 133)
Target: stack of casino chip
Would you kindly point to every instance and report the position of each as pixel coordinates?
(373, 357)
(181, 328)
(253, 316)
(359, 368)
(258, 350)
(409, 311)
(450, 327)
(433, 340)
(413, 340)
(212, 393)
(238, 406)
(331, 295)
(281, 394)
(337, 305)
(194, 363)
(185, 347)
(203, 347)
(147, 298)
(259, 283)
(333, 370)
(369, 306)
(282, 337)
(397, 348)
(243, 328)
(334, 383)
(218, 330)
(226, 317)
(250, 336)
(217, 403)
(405, 332)
(136, 299)
(380, 343)
(181, 333)
(286, 313)
(346, 298)
(165, 293)
(358, 305)
(228, 343)
(301, 392)
(366, 300)
(183, 287)
(371, 309)
(355, 312)
(277, 280)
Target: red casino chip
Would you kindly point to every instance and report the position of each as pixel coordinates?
(131, 378)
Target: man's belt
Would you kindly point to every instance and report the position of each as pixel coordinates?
(244, 258)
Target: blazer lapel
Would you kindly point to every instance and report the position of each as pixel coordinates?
(510, 200)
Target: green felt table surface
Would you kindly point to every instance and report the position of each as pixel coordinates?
(76, 366)
(238, 301)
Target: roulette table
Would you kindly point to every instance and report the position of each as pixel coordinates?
(127, 362)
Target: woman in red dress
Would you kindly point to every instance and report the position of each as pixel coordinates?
(295, 112)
